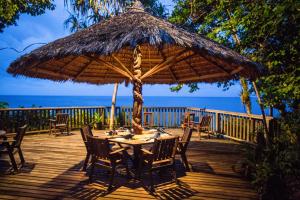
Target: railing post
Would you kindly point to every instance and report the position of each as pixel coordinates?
(218, 125)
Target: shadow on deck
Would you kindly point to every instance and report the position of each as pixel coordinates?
(52, 171)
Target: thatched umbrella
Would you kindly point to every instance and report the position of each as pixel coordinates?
(134, 47)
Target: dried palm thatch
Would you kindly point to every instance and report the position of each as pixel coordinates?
(103, 53)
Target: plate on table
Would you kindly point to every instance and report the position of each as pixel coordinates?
(119, 139)
(123, 133)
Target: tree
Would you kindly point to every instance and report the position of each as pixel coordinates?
(3, 105)
(10, 10)
(87, 12)
(268, 32)
(195, 15)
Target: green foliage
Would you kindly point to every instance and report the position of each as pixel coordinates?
(267, 31)
(4, 104)
(193, 87)
(275, 168)
(10, 10)
(176, 88)
(87, 12)
(98, 118)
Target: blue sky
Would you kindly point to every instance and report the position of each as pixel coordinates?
(48, 27)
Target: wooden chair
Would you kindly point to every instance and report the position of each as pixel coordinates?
(148, 119)
(162, 155)
(104, 157)
(13, 146)
(182, 146)
(61, 123)
(203, 125)
(85, 132)
(188, 120)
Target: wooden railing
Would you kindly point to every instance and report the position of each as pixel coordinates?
(38, 118)
(233, 125)
(237, 126)
(169, 117)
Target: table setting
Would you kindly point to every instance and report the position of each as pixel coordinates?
(124, 136)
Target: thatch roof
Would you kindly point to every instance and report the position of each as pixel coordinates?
(86, 56)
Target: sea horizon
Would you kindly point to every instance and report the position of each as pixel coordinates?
(232, 104)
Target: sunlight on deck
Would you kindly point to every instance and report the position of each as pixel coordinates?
(52, 171)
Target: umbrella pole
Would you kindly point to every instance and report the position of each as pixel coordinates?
(137, 92)
(113, 107)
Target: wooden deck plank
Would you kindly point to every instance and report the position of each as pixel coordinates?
(53, 164)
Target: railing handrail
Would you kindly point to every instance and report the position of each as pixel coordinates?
(189, 108)
(255, 116)
(237, 113)
(52, 108)
(183, 107)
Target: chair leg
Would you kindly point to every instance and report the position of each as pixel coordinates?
(174, 173)
(111, 179)
(86, 161)
(12, 159)
(185, 161)
(151, 181)
(125, 162)
(92, 170)
(139, 169)
(21, 156)
(50, 131)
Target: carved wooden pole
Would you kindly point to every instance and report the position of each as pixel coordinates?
(137, 92)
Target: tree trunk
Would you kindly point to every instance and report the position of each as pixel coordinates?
(113, 107)
(137, 92)
(245, 96)
(266, 129)
(271, 111)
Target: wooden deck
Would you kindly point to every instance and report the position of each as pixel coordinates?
(52, 171)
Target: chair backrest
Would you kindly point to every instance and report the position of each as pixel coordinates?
(164, 148)
(62, 118)
(85, 131)
(99, 147)
(19, 136)
(189, 117)
(205, 121)
(187, 134)
(186, 117)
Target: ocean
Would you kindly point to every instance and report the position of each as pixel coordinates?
(218, 103)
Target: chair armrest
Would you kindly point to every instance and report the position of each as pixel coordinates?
(117, 151)
(146, 155)
(10, 135)
(145, 151)
(52, 120)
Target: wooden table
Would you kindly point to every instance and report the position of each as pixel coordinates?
(137, 141)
